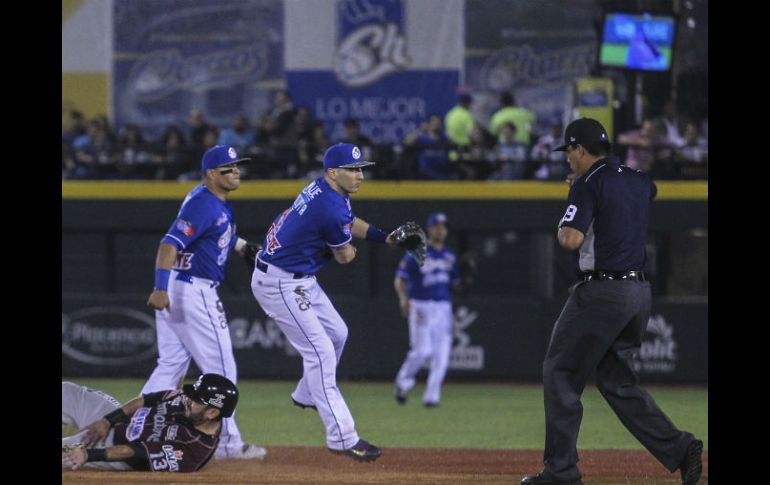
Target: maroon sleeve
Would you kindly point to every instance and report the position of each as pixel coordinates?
(153, 398)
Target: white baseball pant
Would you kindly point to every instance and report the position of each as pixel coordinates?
(431, 327)
(81, 406)
(196, 328)
(310, 322)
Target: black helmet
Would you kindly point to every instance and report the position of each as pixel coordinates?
(215, 391)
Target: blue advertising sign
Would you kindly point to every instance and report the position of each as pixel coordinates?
(388, 63)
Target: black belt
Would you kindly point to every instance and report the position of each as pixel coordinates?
(614, 275)
(263, 268)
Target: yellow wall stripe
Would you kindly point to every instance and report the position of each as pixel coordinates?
(372, 190)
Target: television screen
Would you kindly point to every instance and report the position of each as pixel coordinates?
(640, 41)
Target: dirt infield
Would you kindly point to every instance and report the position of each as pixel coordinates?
(414, 466)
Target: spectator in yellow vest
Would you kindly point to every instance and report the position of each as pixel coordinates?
(509, 113)
(459, 121)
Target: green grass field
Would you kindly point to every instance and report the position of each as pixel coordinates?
(503, 416)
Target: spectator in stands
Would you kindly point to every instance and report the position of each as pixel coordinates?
(172, 155)
(241, 135)
(476, 162)
(311, 145)
(550, 164)
(132, 155)
(522, 118)
(432, 146)
(75, 128)
(692, 157)
(643, 145)
(353, 135)
(459, 123)
(109, 133)
(210, 137)
(671, 122)
(198, 127)
(278, 129)
(92, 153)
(510, 155)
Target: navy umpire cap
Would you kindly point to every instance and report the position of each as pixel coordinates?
(435, 218)
(220, 155)
(215, 391)
(583, 132)
(344, 155)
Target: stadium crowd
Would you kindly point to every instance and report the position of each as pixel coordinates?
(287, 143)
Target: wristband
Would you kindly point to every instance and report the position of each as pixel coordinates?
(116, 416)
(161, 279)
(376, 234)
(96, 454)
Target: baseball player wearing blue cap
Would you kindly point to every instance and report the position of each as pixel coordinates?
(318, 227)
(190, 264)
(425, 297)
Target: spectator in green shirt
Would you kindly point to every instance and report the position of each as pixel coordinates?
(522, 118)
(459, 121)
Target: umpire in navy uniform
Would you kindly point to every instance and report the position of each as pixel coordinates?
(606, 314)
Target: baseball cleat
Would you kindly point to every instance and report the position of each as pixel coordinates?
(303, 406)
(692, 464)
(361, 451)
(399, 394)
(430, 404)
(247, 452)
(542, 479)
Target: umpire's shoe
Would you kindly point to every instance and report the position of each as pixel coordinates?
(543, 479)
(303, 406)
(400, 395)
(692, 464)
(361, 451)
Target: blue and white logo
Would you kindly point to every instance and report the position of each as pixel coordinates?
(371, 41)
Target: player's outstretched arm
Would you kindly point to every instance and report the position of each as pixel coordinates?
(75, 458)
(97, 431)
(363, 230)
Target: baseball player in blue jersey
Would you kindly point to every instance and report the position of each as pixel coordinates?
(190, 319)
(425, 297)
(318, 227)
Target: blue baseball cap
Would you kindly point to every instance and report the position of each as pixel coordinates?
(344, 155)
(435, 218)
(220, 155)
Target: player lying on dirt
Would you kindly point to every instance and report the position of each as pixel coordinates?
(174, 430)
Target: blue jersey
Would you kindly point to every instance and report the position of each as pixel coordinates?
(432, 281)
(319, 219)
(203, 234)
(610, 204)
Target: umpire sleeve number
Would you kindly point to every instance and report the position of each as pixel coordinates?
(569, 215)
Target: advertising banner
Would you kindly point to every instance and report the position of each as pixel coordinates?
(594, 100)
(172, 56)
(535, 50)
(387, 63)
(494, 338)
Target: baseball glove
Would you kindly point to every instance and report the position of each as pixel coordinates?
(411, 237)
(250, 254)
